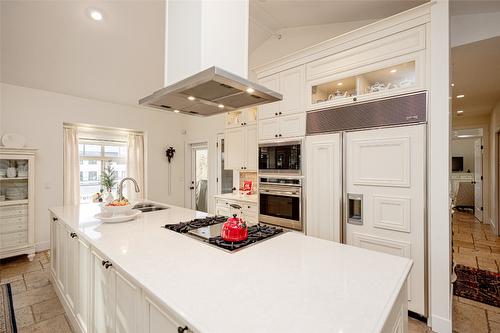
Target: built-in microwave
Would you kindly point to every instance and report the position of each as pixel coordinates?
(280, 157)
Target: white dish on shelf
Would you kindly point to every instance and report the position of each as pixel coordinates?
(12, 140)
(116, 218)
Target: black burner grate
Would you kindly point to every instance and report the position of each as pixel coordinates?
(256, 233)
(184, 227)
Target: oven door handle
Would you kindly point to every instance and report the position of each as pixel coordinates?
(283, 193)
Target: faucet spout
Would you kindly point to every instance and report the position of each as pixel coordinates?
(120, 187)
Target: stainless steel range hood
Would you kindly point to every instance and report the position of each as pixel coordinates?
(210, 92)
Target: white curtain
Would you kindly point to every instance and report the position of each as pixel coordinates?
(71, 165)
(135, 165)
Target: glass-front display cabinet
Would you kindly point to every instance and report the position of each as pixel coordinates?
(241, 117)
(17, 202)
(384, 81)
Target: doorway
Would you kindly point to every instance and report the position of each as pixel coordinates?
(198, 184)
(224, 177)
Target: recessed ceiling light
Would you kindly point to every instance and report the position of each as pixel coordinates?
(460, 111)
(453, 84)
(393, 70)
(96, 15)
(460, 96)
(340, 83)
(176, 111)
(191, 98)
(250, 90)
(221, 106)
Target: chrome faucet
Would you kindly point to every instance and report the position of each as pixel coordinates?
(120, 187)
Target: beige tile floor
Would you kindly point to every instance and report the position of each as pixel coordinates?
(36, 305)
(474, 244)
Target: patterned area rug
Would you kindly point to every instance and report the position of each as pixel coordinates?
(477, 284)
(7, 317)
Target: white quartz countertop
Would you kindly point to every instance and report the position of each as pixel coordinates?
(289, 283)
(254, 198)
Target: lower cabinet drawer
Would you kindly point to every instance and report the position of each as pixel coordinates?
(14, 239)
(14, 224)
(11, 211)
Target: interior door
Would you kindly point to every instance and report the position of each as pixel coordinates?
(385, 198)
(478, 179)
(199, 177)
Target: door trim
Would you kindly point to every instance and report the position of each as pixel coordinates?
(187, 169)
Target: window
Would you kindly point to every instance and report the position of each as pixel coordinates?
(96, 156)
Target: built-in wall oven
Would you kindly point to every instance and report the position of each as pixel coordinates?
(282, 157)
(280, 201)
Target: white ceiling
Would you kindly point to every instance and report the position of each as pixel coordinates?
(267, 17)
(476, 74)
(55, 46)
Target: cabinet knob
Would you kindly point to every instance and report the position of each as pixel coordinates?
(276, 113)
(279, 112)
(275, 135)
(73, 235)
(55, 219)
(280, 135)
(354, 99)
(182, 329)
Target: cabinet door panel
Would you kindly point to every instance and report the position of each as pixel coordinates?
(324, 189)
(83, 284)
(157, 321)
(54, 253)
(126, 305)
(269, 110)
(291, 87)
(268, 129)
(251, 145)
(72, 268)
(292, 126)
(61, 258)
(102, 296)
(235, 148)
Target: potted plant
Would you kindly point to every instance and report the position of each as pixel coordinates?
(108, 181)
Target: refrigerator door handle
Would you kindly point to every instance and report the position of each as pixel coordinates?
(355, 209)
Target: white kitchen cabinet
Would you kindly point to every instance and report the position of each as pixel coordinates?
(289, 83)
(157, 320)
(249, 211)
(241, 117)
(54, 250)
(271, 109)
(241, 148)
(61, 256)
(282, 127)
(323, 192)
(71, 264)
(102, 305)
(82, 312)
(115, 299)
(17, 210)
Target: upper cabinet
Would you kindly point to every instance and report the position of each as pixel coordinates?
(241, 118)
(289, 83)
(384, 67)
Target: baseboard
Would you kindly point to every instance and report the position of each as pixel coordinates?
(493, 226)
(42, 246)
(441, 325)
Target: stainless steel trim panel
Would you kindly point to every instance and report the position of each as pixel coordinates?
(405, 109)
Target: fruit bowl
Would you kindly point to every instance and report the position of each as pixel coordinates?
(117, 207)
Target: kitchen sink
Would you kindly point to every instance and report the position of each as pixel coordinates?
(147, 207)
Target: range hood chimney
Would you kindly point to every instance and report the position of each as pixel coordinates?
(206, 59)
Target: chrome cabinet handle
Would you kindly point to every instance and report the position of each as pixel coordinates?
(73, 235)
(55, 219)
(182, 329)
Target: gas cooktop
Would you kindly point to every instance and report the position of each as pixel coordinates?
(208, 230)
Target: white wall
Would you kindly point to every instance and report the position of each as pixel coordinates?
(471, 28)
(464, 148)
(494, 129)
(201, 129)
(295, 39)
(39, 116)
(484, 123)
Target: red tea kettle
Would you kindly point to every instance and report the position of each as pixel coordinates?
(234, 230)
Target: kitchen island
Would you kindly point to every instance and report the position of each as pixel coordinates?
(139, 277)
